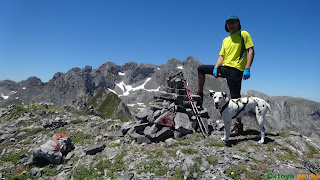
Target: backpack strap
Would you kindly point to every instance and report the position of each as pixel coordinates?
(243, 48)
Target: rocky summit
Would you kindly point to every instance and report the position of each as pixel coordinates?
(134, 122)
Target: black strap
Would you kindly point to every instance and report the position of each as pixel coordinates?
(224, 107)
(244, 105)
(243, 48)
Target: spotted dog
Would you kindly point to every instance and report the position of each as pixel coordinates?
(236, 108)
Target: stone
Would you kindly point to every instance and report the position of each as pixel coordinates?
(164, 134)
(95, 149)
(143, 139)
(187, 164)
(127, 125)
(150, 131)
(139, 128)
(165, 119)
(182, 123)
(36, 172)
(114, 134)
(142, 114)
(294, 133)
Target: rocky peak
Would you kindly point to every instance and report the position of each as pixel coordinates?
(32, 82)
(129, 66)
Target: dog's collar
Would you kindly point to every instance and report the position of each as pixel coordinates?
(224, 107)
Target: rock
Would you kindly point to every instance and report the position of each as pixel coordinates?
(139, 128)
(95, 149)
(128, 125)
(126, 176)
(143, 114)
(164, 134)
(182, 123)
(165, 119)
(69, 156)
(294, 133)
(36, 172)
(150, 131)
(187, 164)
(114, 134)
(143, 139)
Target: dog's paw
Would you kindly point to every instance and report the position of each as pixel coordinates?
(223, 139)
(261, 141)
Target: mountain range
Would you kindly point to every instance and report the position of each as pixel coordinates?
(137, 84)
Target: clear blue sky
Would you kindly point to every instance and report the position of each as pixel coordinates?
(42, 37)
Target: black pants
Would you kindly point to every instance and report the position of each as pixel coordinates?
(233, 76)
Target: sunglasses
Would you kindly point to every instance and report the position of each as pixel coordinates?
(232, 21)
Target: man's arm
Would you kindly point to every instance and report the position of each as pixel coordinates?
(250, 58)
(219, 61)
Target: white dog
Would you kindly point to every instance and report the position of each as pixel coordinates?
(236, 108)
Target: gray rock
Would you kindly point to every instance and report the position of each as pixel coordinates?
(187, 164)
(128, 125)
(164, 134)
(143, 139)
(143, 114)
(95, 149)
(36, 172)
(150, 131)
(114, 134)
(294, 133)
(126, 176)
(166, 119)
(182, 123)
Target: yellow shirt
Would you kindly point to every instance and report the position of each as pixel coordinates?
(231, 47)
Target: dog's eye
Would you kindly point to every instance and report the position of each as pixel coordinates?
(220, 97)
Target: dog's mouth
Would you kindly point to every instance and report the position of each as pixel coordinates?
(216, 106)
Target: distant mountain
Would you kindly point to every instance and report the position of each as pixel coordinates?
(137, 84)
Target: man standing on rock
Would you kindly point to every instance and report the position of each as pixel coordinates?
(234, 62)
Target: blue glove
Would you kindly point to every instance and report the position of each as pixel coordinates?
(246, 74)
(215, 72)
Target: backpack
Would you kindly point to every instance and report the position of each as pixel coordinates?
(54, 149)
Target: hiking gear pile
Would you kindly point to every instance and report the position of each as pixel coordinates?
(52, 150)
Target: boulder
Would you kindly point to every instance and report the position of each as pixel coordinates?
(95, 149)
(182, 123)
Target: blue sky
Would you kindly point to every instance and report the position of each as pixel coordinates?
(42, 37)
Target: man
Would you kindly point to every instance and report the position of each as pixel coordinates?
(232, 64)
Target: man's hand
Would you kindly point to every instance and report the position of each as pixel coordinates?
(246, 74)
(215, 72)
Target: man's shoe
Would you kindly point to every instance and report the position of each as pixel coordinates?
(237, 129)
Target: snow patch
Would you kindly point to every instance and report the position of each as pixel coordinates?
(179, 67)
(112, 91)
(4, 97)
(121, 73)
(127, 88)
(24, 88)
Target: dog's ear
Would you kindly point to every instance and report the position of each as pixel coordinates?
(224, 95)
(211, 93)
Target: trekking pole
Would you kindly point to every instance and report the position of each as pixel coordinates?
(178, 74)
(196, 113)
